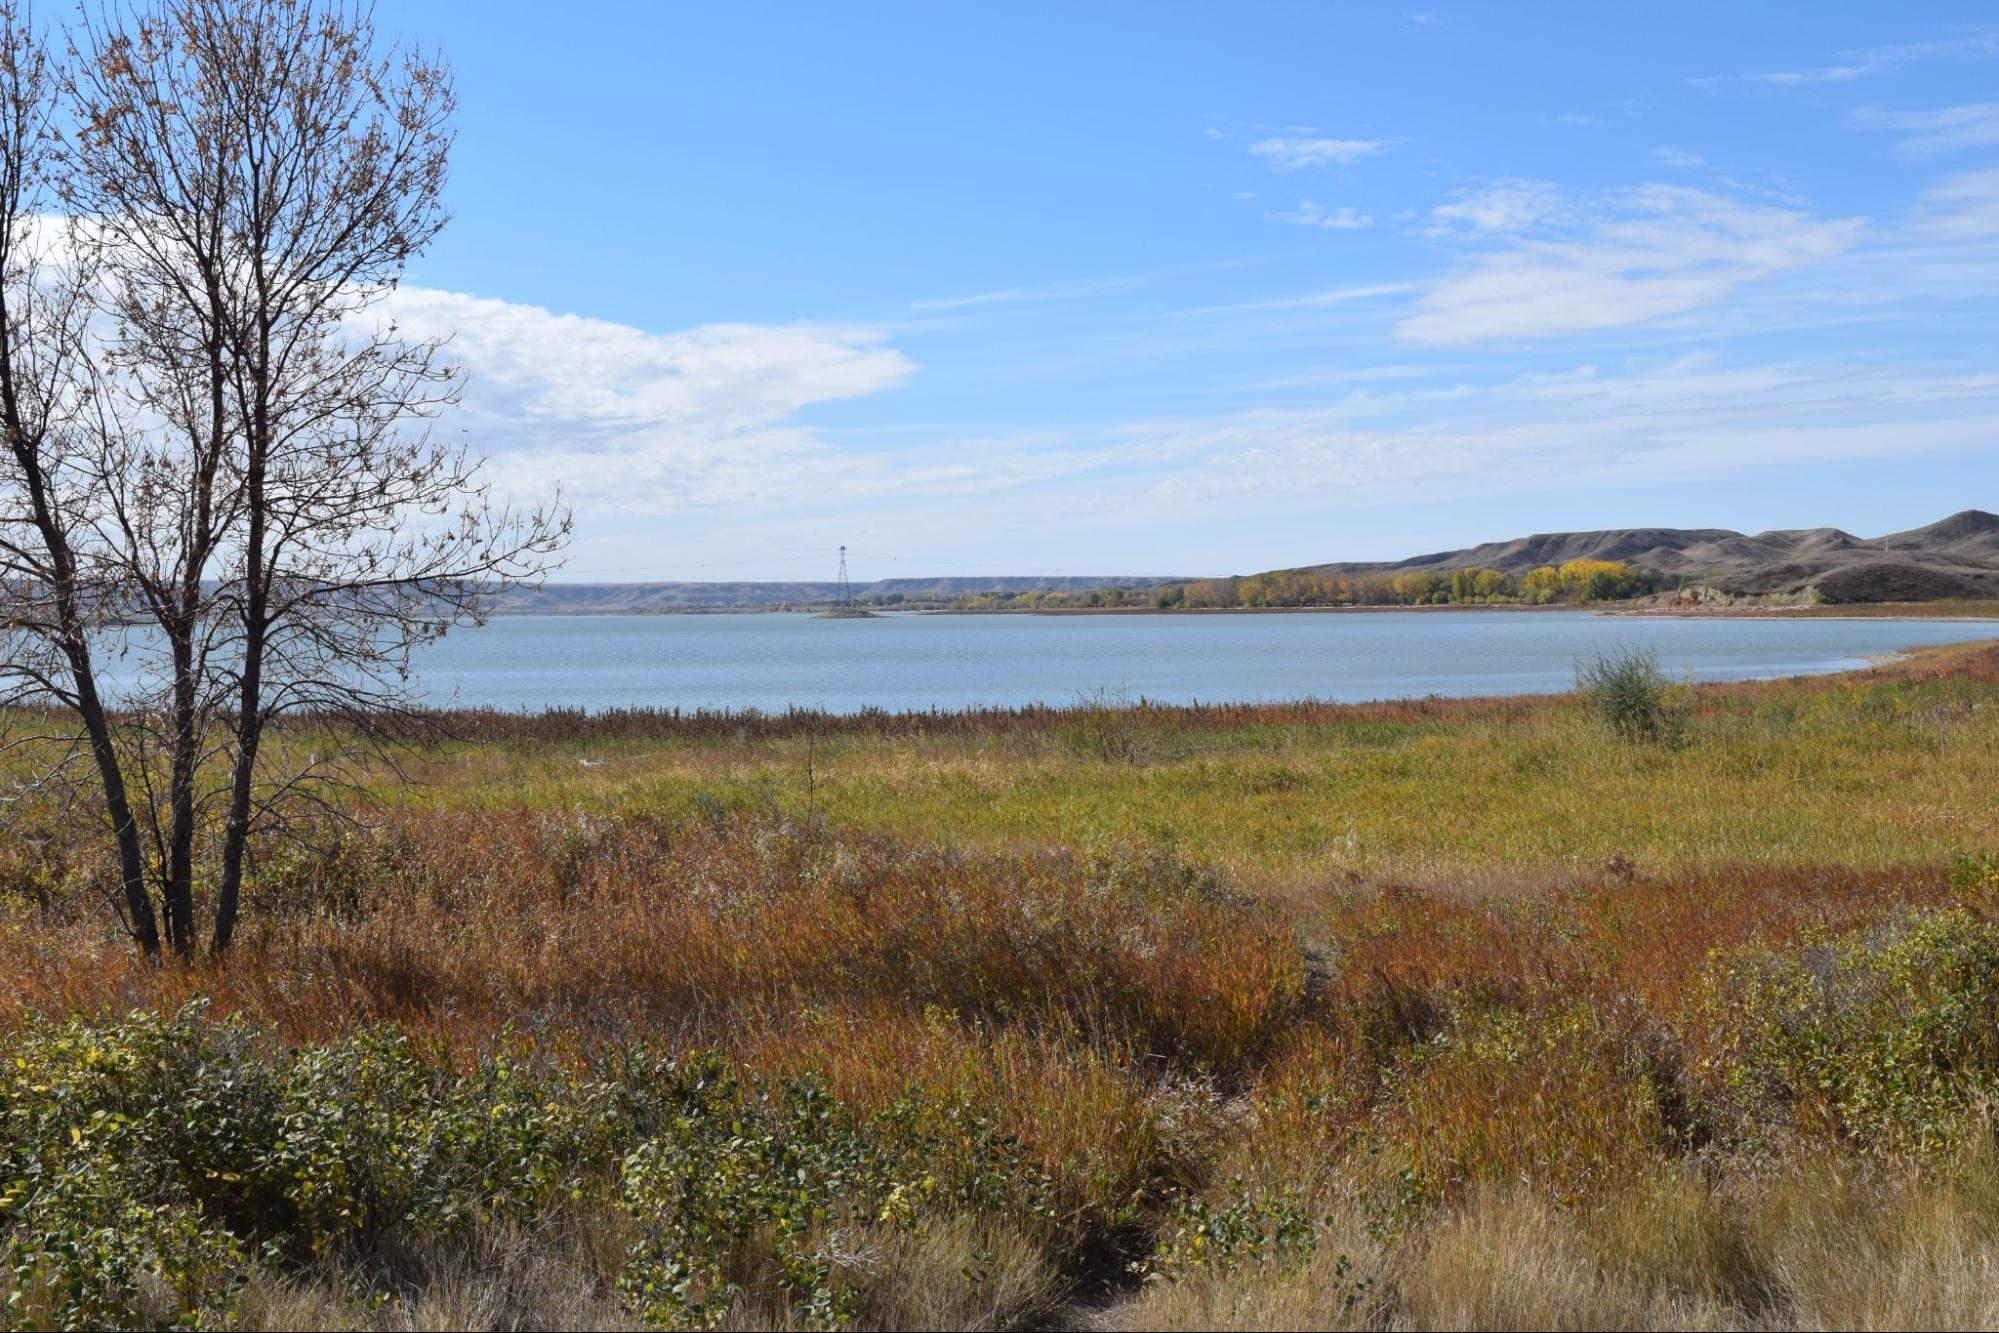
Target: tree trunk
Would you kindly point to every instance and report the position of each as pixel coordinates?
(235, 840)
(140, 919)
(250, 708)
(179, 885)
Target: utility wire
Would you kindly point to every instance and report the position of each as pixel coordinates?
(989, 564)
(702, 564)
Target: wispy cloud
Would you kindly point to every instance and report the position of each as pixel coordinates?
(1971, 125)
(1548, 263)
(1332, 296)
(1295, 152)
(1026, 295)
(1964, 206)
(1309, 214)
(1579, 428)
(1973, 44)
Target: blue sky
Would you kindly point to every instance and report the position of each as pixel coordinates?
(1199, 289)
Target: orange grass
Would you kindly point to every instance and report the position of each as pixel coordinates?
(462, 924)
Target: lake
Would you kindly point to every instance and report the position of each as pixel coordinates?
(772, 661)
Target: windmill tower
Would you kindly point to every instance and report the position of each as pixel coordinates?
(847, 608)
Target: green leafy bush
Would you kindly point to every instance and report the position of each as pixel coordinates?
(142, 1161)
(83, 1251)
(1976, 873)
(147, 1164)
(90, 1235)
(1251, 1227)
(373, 1142)
(741, 1188)
(1885, 1034)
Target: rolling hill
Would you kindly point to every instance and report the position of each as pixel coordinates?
(1957, 557)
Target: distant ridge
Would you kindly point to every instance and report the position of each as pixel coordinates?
(643, 598)
(1956, 557)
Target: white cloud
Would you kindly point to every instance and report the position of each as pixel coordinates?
(631, 420)
(1563, 264)
(700, 427)
(1971, 125)
(1332, 296)
(1025, 295)
(1506, 205)
(1965, 205)
(1678, 157)
(1975, 44)
(1294, 152)
(1687, 420)
(1309, 214)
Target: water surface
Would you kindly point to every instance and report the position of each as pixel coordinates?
(773, 661)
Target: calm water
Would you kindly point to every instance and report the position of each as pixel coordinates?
(905, 662)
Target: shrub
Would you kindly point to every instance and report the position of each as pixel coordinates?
(89, 1123)
(1633, 697)
(142, 1161)
(374, 1144)
(83, 1250)
(1976, 873)
(772, 1187)
(1882, 1034)
(1109, 725)
(1250, 1227)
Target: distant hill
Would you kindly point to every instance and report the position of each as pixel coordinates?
(641, 598)
(1958, 557)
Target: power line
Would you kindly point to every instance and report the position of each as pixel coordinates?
(704, 564)
(1019, 569)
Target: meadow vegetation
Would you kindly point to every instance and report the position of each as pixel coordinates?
(1500, 1013)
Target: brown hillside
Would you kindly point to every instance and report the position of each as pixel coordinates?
(1957, 557)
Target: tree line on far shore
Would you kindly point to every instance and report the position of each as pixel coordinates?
(1547, 585)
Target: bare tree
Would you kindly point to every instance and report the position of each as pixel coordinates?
(249, 180)
(55, 590)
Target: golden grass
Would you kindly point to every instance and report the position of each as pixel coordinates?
(1802, 1244)
(1869, 770)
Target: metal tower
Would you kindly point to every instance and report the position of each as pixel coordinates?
(846, 591)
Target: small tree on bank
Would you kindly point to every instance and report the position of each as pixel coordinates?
(233, 455)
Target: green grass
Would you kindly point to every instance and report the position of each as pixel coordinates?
(1863, 771)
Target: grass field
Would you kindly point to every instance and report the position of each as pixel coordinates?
(1427, 1014)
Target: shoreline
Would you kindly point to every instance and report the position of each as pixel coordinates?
(816, 720)
(1973, 612)
(1835, 611)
